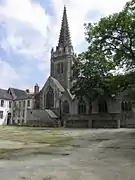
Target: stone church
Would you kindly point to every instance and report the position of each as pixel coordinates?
(55, 94)
(78, 111)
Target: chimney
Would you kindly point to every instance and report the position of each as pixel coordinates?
(36, 89)
(27, 91)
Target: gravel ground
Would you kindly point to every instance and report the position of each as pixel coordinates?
(91, 155)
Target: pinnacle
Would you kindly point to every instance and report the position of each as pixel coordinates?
(64, 38)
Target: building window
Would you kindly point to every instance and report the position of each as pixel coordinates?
(102, 106)
(14, 104)
(126, 106)
(65, 107)
(28, 103)
(20, 104)
(1, 114)
(50, 98)
(81, 107)
(10, 104)
(60, 68)
(24, 104)
(2, 103)
(13, 113)
(23, 113)
(19, 112)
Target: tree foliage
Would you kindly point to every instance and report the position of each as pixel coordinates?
(111, 47)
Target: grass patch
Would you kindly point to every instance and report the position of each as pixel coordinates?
(50, 153)
(45, 178)
(33, 135)
(7, 153)
(99, 139)
(26, 136)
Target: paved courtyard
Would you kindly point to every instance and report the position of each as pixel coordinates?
(67, 154)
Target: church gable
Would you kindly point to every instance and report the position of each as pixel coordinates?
(52, 82)
(50, 93)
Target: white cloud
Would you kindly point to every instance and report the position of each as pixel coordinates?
(31, 32)
(80, 12)
(8, 75)
(25, 23)
(26, 11)
(27, 15)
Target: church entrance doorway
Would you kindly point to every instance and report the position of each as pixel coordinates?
(9, 119)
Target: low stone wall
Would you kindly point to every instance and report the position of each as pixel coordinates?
(40, 118)
(107, 120)
(104, 124)
(76, 121)
(77, 124)
(37, 123)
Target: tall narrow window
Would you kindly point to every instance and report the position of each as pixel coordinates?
(1, 114)
(28, 103)
(61, 68)
(20, 104)
(19, 112)
(103, 108)
(50, 98)
(58, 68)
(14, 104)
(2, 103)
(126, 106)
(81, 107)
(24, 104)
(23, 113)
(10, 104)
(65, 105)
(14, 113)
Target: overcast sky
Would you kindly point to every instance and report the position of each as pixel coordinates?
(30, 28)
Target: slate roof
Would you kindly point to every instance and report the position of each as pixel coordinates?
(59, 86)
(19, 94)
(51, 114)
(5, 95)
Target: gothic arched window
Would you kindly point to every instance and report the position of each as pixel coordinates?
(65, 106)
(126, 106)
(50, 98)
(81, 107)
(102, 106)
(60, 68)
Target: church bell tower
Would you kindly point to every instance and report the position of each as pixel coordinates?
(62, 57)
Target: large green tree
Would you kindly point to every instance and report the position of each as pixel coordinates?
(111, 48)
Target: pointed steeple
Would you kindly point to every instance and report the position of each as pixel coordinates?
(64, 38)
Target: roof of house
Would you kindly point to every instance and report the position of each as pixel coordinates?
(5, 95)
(19, 94)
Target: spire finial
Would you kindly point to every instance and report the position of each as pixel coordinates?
(64, 38)
(64, 7)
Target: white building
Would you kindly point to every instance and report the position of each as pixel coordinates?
(15, 104)
(6, 104)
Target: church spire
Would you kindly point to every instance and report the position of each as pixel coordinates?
(64, 38)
